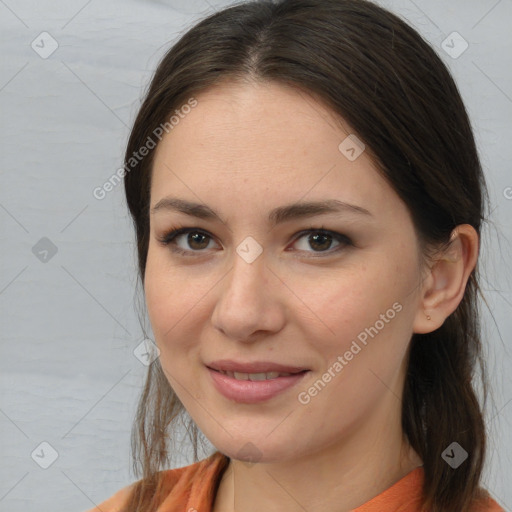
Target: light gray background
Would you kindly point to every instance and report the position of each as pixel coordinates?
(68, 325)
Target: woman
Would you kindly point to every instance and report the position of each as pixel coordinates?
(308, 200)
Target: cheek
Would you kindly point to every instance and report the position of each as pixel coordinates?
(368, 302)
(168, 318)
(176, 305)
(157, 294)
(168, 299)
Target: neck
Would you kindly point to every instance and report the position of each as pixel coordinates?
(340, 477)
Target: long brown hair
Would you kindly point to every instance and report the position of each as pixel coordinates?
(376, 72)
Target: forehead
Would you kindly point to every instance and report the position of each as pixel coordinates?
(231, 115)
(264, 142)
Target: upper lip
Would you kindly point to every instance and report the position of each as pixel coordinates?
(229, 365)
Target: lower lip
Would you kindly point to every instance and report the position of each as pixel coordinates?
(250, 392)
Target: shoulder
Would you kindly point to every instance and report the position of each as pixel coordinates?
(486, 503)
(195, 484)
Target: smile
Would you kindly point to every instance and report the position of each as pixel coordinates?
(252, 388)
(254, 376)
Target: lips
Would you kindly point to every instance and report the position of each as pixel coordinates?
(228, 365)
(255, 376)
(254, 390)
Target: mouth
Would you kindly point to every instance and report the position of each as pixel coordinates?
(254, 387)
(257, 376)
(255, 368)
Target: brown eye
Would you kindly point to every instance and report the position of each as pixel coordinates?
(196, 240)
(321, 241)
(192, 240)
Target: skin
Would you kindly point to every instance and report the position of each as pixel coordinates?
(245, 149)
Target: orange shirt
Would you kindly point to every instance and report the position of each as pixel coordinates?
(192, 488)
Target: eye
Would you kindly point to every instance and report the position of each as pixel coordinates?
(321, 240)
(196, 240)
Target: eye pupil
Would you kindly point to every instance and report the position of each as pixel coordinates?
(323, 236)
(191, 239)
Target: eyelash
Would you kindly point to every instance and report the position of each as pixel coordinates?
(167, 240)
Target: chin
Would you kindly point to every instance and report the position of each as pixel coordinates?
(252, 452)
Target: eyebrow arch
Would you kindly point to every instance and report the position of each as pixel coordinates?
(276, 216)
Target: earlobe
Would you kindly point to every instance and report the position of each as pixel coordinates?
(444, 286)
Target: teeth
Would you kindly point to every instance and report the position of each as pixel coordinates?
(255, 376)
(263, 376)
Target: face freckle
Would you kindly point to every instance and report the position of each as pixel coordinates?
(273, 147)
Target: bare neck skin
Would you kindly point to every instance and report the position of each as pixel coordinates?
(339, 478)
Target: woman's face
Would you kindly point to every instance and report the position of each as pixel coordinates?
(254, 285)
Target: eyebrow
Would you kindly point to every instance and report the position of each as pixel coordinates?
(276, 216)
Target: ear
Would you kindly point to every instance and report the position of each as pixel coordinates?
(444, 285)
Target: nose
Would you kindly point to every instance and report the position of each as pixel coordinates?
(250, 301)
